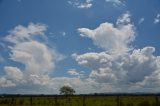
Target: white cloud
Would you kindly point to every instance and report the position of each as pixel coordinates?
(112, 38)
(116, 2)
(117, 68)
(37, 57)
(81, 86)
(89, 59)
(132, 69)
(74, 72)
(141, 20)
(22, 34)
(13, 73)
(6, 83)
(124, 19)
(82, 5)
(38, 60)
(157, 19)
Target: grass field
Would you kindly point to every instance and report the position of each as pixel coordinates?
(80, 100)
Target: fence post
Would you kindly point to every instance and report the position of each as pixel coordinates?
(118, 100)
(12, 102)
(157, 101)
(84, 101)
(55, 99)
(31, 100)
(70, 100)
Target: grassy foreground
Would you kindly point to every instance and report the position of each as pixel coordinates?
(80, 100)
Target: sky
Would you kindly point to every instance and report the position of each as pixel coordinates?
(94, 46)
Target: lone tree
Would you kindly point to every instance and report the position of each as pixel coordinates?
(66, 90)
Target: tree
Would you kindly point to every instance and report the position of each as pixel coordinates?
(66, 90)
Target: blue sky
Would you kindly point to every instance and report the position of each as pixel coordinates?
(91, 45)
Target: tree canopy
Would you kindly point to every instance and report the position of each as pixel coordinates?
(66, 90)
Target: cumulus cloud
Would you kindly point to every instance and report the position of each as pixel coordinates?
(38, 60)
(22, 34)
(6, 83)
(82, 5)
(117, 68)
(13, 73)
(37, 57)
(113, 38)
(134, 68)
(131, 67)
(157, 19)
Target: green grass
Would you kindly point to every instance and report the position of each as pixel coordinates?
(80, 100)
(138, 101)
